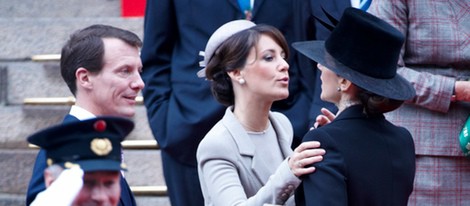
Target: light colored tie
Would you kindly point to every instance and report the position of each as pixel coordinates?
(245, 6)
(364, 4)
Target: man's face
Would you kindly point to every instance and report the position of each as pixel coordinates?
(99, 188)
(116, 87)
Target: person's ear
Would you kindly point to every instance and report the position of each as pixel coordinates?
(51, 173)
(48, 178)
(235, 75)
(83, 77)
(344, 84)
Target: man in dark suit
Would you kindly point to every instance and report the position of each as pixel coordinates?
(180, 107)
(101, 66)
(309, 16)
(309, 27)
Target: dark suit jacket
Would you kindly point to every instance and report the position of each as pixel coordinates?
(37, 185)
(368, 161)
(180, 106)
(309, 28)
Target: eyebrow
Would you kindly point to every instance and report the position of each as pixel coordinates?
(273, 51)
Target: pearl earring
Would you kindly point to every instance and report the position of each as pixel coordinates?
(338, 89)
(241, 81)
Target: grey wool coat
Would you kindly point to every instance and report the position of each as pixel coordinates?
(231, 172)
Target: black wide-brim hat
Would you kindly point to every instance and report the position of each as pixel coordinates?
(364, 50)
(93, 144)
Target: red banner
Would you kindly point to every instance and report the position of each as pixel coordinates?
(132, 8)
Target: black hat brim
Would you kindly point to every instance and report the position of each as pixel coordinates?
(397, 88)
(94, 165)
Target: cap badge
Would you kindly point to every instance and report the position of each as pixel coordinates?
(123, 166)
(69, 165)
(101, 146)
(49, 161)
(100, 126)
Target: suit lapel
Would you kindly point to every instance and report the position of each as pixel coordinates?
(246, 147)
(257, 4)
(283, 136)
(70, 118)
(262, 168)
(341, 6)
(234, 3)
(335, 8)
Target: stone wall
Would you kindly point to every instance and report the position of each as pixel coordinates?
(32, 27)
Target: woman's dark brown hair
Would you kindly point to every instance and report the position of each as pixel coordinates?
(375, 104)
(232, 54)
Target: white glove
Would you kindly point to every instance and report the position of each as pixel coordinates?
(63, 190)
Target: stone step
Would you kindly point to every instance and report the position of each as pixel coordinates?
(18, 122)
(20, 200)
(16, 170)
(31, 27)
(12, 200)
(21, 121)
(144, 170)
(160, 201)
(59, 8)
(34, 79)
(23, 37)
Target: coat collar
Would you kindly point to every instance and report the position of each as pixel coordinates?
(247, 148)
(353, 112)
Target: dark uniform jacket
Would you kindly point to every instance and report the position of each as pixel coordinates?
(368, 161)
(37, 185)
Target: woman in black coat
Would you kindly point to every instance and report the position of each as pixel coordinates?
(368, 160)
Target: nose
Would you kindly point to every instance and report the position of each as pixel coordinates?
(284, 66)
(137, 83)
(98, 194)
(319, 66)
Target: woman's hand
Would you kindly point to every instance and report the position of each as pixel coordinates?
(304, 155)
(325, 118)
(462, 91)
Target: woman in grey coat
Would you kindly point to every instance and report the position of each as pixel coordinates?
(246, 159)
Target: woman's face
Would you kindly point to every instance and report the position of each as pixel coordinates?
(329, 85)
(266, 71)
